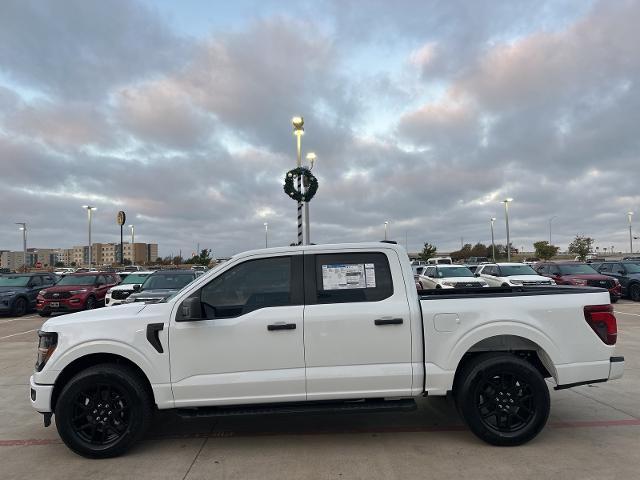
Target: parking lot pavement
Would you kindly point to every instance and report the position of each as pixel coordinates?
(593, 432)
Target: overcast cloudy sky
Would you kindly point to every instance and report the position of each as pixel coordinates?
(425, 114)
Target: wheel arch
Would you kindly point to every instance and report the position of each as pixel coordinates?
(91, 359)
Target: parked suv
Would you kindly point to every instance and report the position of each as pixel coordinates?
(118, 294)
(449, 276)
(627, 273)
(162, 284)
(581, 274)
(18, 291)
(511, 274)
(78, 291)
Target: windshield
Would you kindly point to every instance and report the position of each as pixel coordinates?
(138, 278)
(454, 272)
(632, 268)
(577, 270)
(508, 270)
(167, 281)
(14, 281)
(77, 280)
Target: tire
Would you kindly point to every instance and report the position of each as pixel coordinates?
(505, 285)
(614, 300)
(44, 314)
(518, 407)
(634, 292)
(89, 394)
(20, 307)
(90, 304)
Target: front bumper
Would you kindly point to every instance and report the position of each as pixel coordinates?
(73, 304)
(40, 396)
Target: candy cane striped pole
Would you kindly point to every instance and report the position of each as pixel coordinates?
(298, 131)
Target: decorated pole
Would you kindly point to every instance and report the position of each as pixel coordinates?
(298, 131)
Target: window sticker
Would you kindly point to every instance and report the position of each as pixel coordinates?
(342, 276)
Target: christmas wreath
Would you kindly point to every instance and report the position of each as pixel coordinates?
(308, 179)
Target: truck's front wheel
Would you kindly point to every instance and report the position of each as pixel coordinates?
(102, 411)
(503, 399)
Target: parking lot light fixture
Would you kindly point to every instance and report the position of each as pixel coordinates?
(133, 240)
(266, 235)
(551, 220)
(629, 215)
(23, 228)
(89, 210)
(311, 158)
(493, 242)
(386, 228)
(506, 202)
(298, 131)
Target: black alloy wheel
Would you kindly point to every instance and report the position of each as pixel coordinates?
(20, 307)
(503, 398)
(103, 410)
(634, 292)
(90, 304)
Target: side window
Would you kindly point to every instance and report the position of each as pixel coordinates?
(605, 267)
(618, 267)
(101, 280)
(489, 270)
(249, 286)
(543, 269)
(352, 277)
(428, 271)
(35, 281)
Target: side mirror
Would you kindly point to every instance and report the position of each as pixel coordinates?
(191, 309)
(136, 287)
(476, 274)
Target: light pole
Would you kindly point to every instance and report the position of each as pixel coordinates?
(23, 227)
(298, 131)
(506, 202)
(386, 227)
(629, 215)
(89, 209)
(266, 235)
(311, 158)
(133, 240)
(551, 220)
(493, 242)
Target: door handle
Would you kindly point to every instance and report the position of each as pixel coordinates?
(388, 321)
(281, 326)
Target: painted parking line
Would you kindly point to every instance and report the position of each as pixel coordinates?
(20, 333)
(626, 313)
(26, 317)
(29, 442)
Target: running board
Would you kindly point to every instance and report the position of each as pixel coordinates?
(362, 406)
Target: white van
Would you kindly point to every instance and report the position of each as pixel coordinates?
(440, 261)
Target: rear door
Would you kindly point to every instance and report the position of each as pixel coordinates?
(357, 334)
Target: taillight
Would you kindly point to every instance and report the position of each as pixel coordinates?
(602, 320)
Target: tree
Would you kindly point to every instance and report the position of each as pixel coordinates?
(480, 250)
(428, 251)
(204, 258)
(177, 260)
(544, 250)
(581, 246)
(59, 264)
(464, 252)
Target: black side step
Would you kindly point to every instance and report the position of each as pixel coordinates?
(361, 406)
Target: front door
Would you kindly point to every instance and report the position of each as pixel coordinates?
(249, 346)
(357, 331)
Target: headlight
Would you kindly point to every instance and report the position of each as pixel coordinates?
(449, 284)
(42, 292)
(46, 346)
(483, 284)
(7, 294)
(109, 291)
(130, 299)
(579, 281)
(515, 282)
(75, 292)
(552, 282)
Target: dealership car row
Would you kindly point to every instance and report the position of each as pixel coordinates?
(50, 293)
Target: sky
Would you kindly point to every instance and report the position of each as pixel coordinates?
(425, 114)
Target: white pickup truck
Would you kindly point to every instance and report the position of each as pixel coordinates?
(327, 327)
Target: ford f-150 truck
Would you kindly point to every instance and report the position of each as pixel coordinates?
(326, 327)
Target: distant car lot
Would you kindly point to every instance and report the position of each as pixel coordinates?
(587, 424)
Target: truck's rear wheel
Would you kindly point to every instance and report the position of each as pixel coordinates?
(503, 399)
(102, 411)
(634, 292)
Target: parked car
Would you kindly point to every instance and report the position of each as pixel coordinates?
(18, 291)
(61, 272)
(581, 274)
(627, 273)
(531, 260)
(162, 284)
(476, 260)
(200, 268)
(439, 261)
(449, 276)
(321, 328)
(511, 274)
(118, 294)
(78, 291)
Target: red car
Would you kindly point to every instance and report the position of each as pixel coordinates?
(583, 274)
(78, 291)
